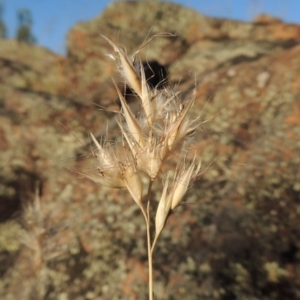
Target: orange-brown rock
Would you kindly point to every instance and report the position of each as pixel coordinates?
(237, 237)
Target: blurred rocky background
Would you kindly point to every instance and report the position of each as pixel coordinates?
(238, 234)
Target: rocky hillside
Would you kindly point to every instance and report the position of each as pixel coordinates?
(237, 236)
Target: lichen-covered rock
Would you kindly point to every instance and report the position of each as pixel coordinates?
(238, 235)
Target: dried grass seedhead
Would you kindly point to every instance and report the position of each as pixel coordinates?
(34, 233)
(161, 129)
(107, 169)
(33, 221)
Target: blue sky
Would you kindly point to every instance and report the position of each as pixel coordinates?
(53, 18)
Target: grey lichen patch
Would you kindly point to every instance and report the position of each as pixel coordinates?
(274, 272)
(66, 194)
(10, 233)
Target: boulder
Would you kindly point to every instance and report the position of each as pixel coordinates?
(236, 236)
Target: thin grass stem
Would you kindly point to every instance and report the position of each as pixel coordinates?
(149, 244)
